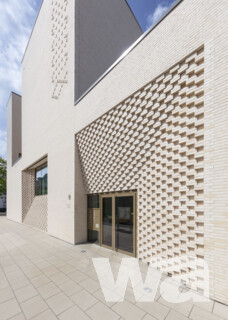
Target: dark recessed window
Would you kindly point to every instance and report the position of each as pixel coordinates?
(41, 180)
(93, 201)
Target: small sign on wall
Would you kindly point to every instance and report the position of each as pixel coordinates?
(69, 202)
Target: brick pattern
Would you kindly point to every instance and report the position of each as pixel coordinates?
(59, 48)
(37, 214)
(90, 219)
(216, 166)
(28, 190)
(93, 219)
(34, 209)
(154, 142)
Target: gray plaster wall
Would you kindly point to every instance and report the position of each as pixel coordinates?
(14, 147)
(14, 128)
(104, 30)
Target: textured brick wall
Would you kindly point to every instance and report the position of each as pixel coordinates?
(192, 24)
(216, 165)
(37, 215)
(34, 209)
(59, 47)
(154, 142)
(28, 190)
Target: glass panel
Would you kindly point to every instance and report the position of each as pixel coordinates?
(107, 221)
(44, 180)
(93, 201)
(38, 183)
(124, 223)
(41, 180)
(93, 217)
(93, 236)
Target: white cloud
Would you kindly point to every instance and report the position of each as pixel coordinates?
(158, 13)
(17, 18)
(3, 144)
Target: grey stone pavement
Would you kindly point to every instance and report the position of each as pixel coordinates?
(43, 278)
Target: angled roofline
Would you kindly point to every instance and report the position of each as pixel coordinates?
(39, 14)
(17, 94)
(32, 31)
(10, 95)
(129, 7)
(142, 37)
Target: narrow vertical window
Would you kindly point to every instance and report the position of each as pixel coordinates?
(41, 180)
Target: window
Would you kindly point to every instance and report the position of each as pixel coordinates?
(93, 215)
(41, 180)
(93, 201)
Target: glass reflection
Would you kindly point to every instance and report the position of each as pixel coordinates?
(41, 180)
(124, 223)
(107, 221)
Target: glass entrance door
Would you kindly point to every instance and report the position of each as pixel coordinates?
(118, 222)
(124, 215)
(107, 221)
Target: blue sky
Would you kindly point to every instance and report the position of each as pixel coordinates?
(148, 12)
(17, 18)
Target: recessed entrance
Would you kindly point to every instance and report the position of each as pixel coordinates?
(112, 221)
(118, 221)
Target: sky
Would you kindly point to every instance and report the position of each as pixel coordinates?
(17, 18)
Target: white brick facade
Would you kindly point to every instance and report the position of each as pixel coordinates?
(186, 145)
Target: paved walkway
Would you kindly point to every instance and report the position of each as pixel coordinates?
(43, 278)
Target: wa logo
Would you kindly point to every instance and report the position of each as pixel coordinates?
(145, 291)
